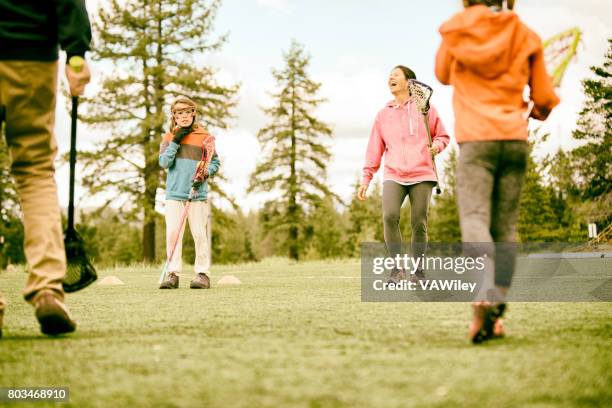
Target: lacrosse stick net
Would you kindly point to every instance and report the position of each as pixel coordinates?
(559, 51)
(421, 94)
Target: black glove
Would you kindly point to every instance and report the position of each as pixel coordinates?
(180, 134)
(197, 182)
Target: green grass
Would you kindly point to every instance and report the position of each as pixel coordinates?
(298, 335)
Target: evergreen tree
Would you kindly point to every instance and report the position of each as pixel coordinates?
(295, 156)
(11, 229)
(326, 230)
(155, 49)
(593, 160)
(566, 196)
(9, 202)
(365, 223)
(538, 220)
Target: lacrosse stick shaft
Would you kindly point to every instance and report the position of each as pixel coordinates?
(433, 158)
(177, 236)
(73, 134)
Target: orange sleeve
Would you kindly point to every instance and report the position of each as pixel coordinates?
(443, 64)
(542, 90)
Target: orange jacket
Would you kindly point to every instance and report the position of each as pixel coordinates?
(489, 57)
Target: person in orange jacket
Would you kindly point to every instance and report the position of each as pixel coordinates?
(489, 56)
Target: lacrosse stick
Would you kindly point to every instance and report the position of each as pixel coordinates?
(421, 94)
(559, 50)
(201, 173)
(80, 273)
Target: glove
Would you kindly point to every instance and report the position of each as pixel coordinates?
(197, 182)
(180, 133)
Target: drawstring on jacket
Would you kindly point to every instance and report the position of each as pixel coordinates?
(410, 120)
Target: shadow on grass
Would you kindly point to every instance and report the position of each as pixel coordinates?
(40, 337)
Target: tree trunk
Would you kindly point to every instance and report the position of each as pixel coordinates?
(293, 209)
(151, 183)
(152, 170)
(148, 242)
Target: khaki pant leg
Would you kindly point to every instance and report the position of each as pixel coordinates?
(198, 222)
(174, 211)
(28, 93)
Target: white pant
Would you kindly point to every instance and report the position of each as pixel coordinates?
(198, 220)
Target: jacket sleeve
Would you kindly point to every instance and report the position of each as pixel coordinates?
(541, 86)
(74, 28)
(376, 148)
(444, 60)
(167, 153)
(439, 137)
(213, 166)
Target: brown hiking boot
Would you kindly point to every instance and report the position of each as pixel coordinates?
(171, 282)
(396, 276)
(201, 281)
(52, 314)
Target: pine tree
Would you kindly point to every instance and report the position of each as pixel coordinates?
(565, 196)
(11, 229)
(155, 49)
(538, 219)
(295, 156)
(592, 161)
(364, 219)
(326, 230)
(9, 202)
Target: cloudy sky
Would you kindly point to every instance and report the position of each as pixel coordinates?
(353, 45)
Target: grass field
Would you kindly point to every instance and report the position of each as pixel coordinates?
(298, 335)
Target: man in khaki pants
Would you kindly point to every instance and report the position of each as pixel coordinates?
(30, 35)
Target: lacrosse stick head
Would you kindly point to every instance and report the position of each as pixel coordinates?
(80, 273)
(421, 94)
(208, 150)
(559, 51)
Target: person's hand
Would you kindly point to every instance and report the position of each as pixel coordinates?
(180, 133)
(539, 113)
(433, 149)
(361, 193)
(78, 80)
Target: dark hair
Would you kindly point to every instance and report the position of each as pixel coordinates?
(488, 3)
(408, 73)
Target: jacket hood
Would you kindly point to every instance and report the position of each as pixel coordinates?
(485, 41)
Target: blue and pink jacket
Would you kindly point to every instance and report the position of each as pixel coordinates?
(181, 161)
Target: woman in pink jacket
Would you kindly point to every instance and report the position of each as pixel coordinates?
(399, 133)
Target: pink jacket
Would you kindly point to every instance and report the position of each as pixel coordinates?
(399, 133)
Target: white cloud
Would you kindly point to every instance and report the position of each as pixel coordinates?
(238, 150)
(354, 81)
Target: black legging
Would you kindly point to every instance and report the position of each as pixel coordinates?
(393, 197)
